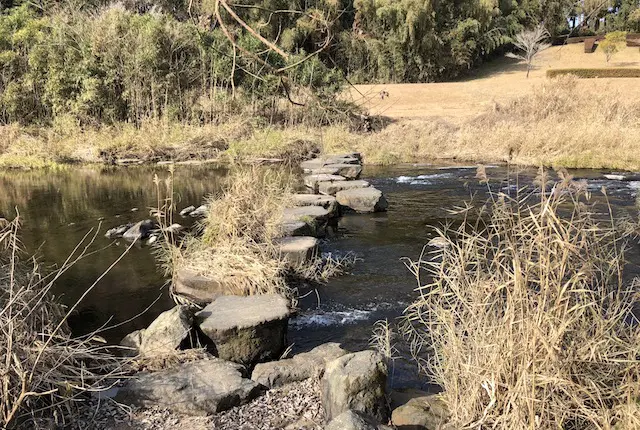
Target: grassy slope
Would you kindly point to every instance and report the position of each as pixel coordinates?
(497, 81)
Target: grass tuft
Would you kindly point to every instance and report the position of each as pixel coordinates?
(525, 321)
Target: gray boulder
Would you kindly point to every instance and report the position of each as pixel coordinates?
(297, 250)
(132, 342)
(166, 333)
(331, 188)
(298, 368)
(363, 200)
(198, 388)
(422, 413)
(320, 162)
(353, 420)
(140, 230)
(356, 381)
(246, 330)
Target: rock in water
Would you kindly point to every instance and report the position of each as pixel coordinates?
(356, 381)
(187, 211)
(363, 200)
(200, 212)
(116, 232)
(165, 334)
(246, 330)
(331, 188)
(421, 413)
(140, 230)
(198, 388)
(352, 420)
(297, 250)
(298, 368)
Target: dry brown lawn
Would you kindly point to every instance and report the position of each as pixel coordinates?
(497, 82)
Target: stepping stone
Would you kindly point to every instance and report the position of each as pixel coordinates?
(198, 288)
(312, 181)
(296, 228)
(325, 160)
(308, 214)
(331, 188)
(202, 387)
(246, 330)
(349, 171)
(363, 200)
(297, 250)
(298, 368)
(327, 202)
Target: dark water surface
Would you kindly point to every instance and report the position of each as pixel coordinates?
(58, 208)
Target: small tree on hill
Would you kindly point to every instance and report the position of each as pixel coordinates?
(531, 43)
(613, 42)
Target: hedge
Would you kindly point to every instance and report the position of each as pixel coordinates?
(596, 73)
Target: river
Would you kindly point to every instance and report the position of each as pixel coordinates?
(60, 207)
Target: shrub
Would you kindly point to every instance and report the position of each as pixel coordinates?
(612, 43)
(527, 322)
(596, 73)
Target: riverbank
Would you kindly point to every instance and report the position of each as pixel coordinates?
(560, 123)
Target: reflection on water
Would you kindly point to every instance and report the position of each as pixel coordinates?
(58, 208)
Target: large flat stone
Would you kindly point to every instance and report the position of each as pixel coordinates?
(355, 382)
(297, 250)
(198, 388)
(296, 228)
(328, 202)
(333, 187)
(363, 200)
(298, 368)
(246, 330)
(311, 181)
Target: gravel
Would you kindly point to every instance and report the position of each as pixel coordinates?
(295, 406)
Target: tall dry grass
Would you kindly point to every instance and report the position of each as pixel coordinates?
(44, 370)
(524, 318)
(237, 242)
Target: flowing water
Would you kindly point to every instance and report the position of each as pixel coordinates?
(60, 208)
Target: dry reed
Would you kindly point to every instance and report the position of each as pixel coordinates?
(524, 318)
(44, 369)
